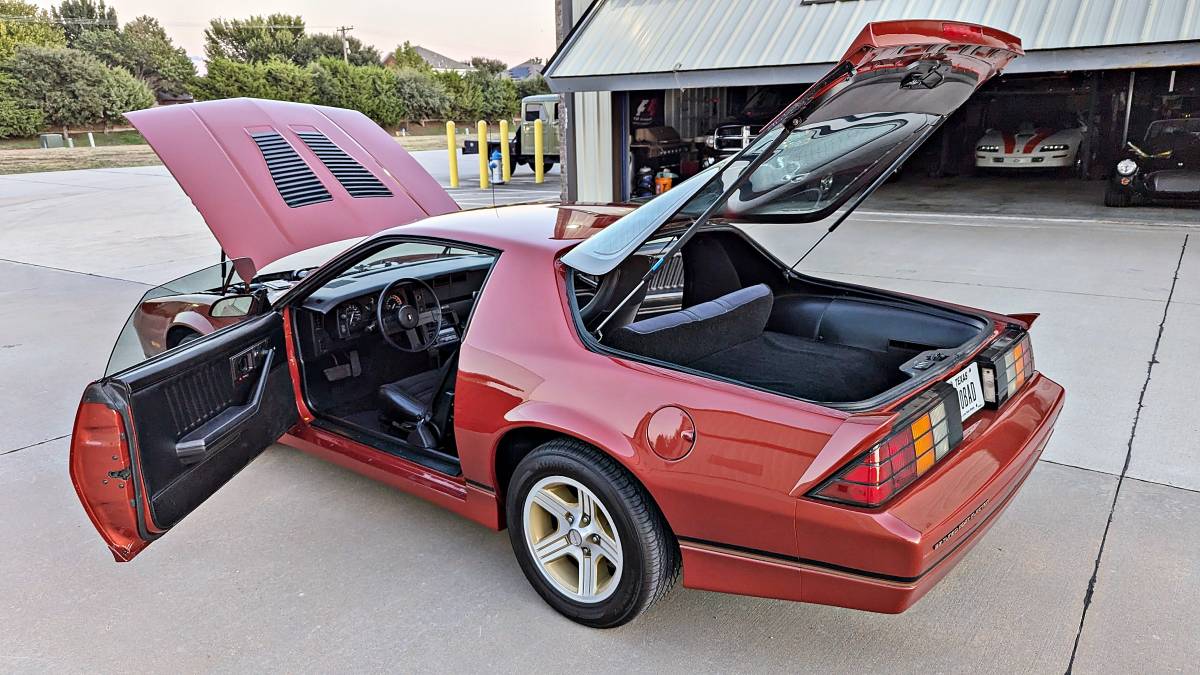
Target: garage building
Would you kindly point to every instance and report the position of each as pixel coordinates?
(654, 85)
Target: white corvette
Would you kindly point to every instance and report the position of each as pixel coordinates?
(1028, 148)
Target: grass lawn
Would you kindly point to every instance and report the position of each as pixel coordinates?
(122, 137)
(30, 161)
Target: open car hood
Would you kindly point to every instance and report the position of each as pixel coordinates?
(272, 178)
(832, 146)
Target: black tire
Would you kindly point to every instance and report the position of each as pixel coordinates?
(1117, 198)
(651, 559)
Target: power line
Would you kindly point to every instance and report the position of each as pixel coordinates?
(107, 22)
(82, 21)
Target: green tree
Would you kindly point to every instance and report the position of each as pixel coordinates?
(285, 81)
(532, 86)
(143, 48)
(334, 84)
(276, 79)
(326, 44)
(259, 38)
(499, 95)
(372, 90)
(489, 67)
(381, 97)
(228, 79)
(466, 96)
(78, 17)
(424, 96)
(406, 56)
(122, 92)
(17, 118)
(25, 24)
(72, 88)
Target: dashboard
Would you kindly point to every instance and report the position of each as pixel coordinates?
(344, 311)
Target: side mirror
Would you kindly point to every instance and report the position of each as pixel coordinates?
(235, 306)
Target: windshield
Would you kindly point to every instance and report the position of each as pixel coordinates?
(410, 253)
(308, 258)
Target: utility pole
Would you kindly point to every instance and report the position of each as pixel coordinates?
(345, 43)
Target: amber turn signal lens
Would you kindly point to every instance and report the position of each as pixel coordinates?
(926, 430)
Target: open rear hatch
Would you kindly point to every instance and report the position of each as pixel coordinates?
(832, 343)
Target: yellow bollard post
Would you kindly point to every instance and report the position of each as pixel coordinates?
(482, 130)
(505, 167)
(539, 162)
(452, 146)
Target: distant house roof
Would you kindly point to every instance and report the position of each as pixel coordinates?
(526, 70)
(440, 61)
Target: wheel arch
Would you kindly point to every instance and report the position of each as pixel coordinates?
(190, 320)
(520, 439)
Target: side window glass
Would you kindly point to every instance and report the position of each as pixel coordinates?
(183, 310)
(533, 113)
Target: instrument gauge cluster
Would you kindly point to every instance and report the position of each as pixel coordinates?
(355, 317)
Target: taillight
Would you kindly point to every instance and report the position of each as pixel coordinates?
(1005, 366)
(102, 474)
(927, 429)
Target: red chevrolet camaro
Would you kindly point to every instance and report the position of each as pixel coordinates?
(763, 431)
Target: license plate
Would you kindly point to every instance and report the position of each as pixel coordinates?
(970, 392)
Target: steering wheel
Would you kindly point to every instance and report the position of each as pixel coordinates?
(409, 309)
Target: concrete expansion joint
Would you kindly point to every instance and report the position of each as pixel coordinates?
(1091, 587)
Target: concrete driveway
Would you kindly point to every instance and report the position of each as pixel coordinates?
(298, 565)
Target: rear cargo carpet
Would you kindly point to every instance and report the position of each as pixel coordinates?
(810, 369)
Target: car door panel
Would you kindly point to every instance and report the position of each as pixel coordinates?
(189, 421)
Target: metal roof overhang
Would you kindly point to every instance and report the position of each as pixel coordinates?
(618, 45)
(1167, 55)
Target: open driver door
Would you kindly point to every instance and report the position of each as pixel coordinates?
(154, 441)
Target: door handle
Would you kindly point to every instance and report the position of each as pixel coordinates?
(217, 432)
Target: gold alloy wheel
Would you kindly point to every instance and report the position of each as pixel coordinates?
(572, 539)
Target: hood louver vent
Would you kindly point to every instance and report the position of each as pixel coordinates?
(296, 182)
(353, 176)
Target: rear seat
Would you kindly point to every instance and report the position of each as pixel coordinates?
(699, 331)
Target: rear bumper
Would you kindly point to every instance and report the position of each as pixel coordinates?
(885, 560)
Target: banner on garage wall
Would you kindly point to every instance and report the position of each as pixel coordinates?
(646, 109)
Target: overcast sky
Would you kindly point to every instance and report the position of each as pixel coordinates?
(510, 30)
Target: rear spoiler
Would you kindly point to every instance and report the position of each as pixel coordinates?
(1026, 319)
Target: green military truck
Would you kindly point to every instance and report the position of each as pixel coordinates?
(542, 107)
